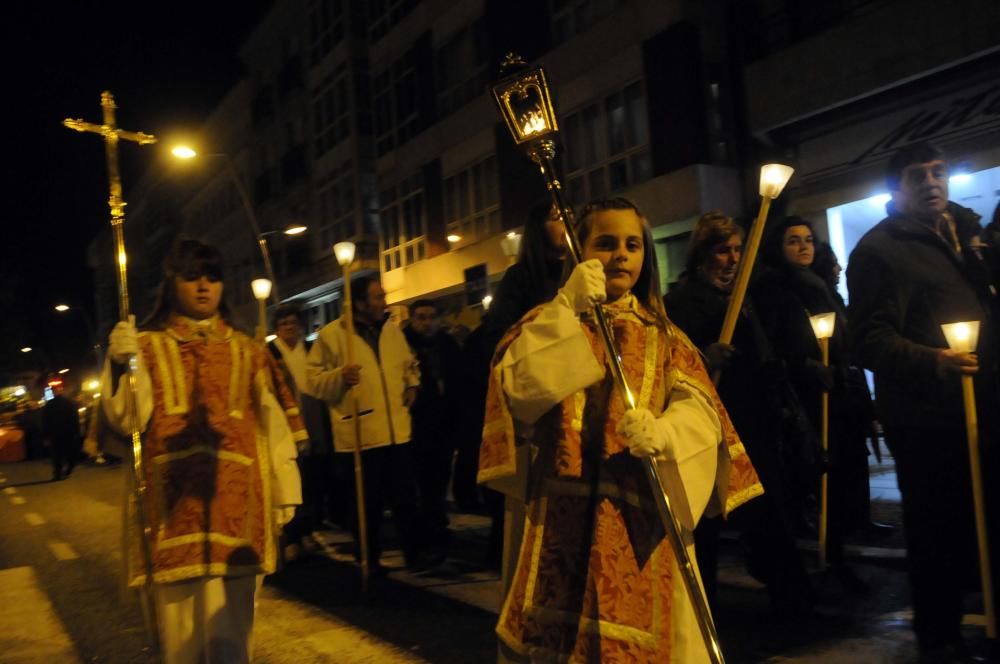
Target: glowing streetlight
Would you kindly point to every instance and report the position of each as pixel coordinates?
(822, 326)
(64, 371)
(487, 301)
(26, 349)
(453, 238)
(61, 308)
(92, 385)
(511, 246)
(261, 291)
(186, 152)
(964, 338)
(295, 229)
(344, 252)
(183, 152)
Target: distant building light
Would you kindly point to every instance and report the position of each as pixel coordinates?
(92, 385)
(960, 178)
(61, 307)
(454, 238)
(26, 349)
(19, 391)
(487, 301)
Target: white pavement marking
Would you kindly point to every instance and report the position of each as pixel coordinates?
(34, 518)
(9, 491)
(62, 550)
(18, 500)
(23, 604)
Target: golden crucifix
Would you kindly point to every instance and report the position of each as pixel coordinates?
(112, 134)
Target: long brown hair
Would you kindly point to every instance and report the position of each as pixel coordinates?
(647, 286)
(189, 259)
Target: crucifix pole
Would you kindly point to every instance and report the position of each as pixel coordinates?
(112, 134)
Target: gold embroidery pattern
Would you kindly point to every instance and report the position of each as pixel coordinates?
(170, 371)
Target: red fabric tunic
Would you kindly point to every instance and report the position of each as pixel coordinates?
(595, 574)
(206, 467)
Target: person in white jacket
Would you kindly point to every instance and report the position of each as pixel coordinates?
(218, 460)
(596, 578)
(384, 379)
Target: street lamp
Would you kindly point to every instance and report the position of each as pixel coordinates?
(26, 349)
(88, 323)
(526, 106)
(261, 290)
(510, 245)
(187, 152)
(964, 338)
(822, 326)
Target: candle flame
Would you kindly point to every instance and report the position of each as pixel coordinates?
(534, 123)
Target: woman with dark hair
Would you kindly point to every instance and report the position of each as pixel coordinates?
(218, 458)
(754, 391)
(533, 279)
(597, 579)
(535, 276)
(789, 292)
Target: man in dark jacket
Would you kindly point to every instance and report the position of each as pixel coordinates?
(62, 427)
(917, 269)
(434, 413)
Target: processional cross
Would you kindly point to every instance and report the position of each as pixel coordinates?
(112, 134)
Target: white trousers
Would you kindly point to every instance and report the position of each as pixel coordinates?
(206, 620)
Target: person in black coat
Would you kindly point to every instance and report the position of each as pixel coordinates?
(751, 386)
(794, 292)
(61, 423)
(532, 280)
(434, 414)
(918, 268)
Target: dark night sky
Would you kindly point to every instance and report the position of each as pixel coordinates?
(167, 64)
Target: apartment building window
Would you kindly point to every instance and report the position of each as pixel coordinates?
(395, 97)
(383, 15)
(472, 201)
(326, 27)
(404, 223)
(462, 63)
(607, 145)
(332, 110)
(571, 17)
(336, 203)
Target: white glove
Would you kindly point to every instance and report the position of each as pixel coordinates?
(586, 286)
(124, 341)
(643, 436)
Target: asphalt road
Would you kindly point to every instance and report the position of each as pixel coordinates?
(63, 600)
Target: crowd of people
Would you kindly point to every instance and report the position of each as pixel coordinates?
(250, 450)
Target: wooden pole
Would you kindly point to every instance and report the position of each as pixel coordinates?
(359, 485)
(824, 345)
(743, 272)
(985, 572)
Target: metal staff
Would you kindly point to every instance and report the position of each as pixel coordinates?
(773, 178)
(344, 251)
(112, 134)
(527, 107)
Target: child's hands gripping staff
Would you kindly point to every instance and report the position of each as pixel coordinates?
(586, 286)
(644, 435)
